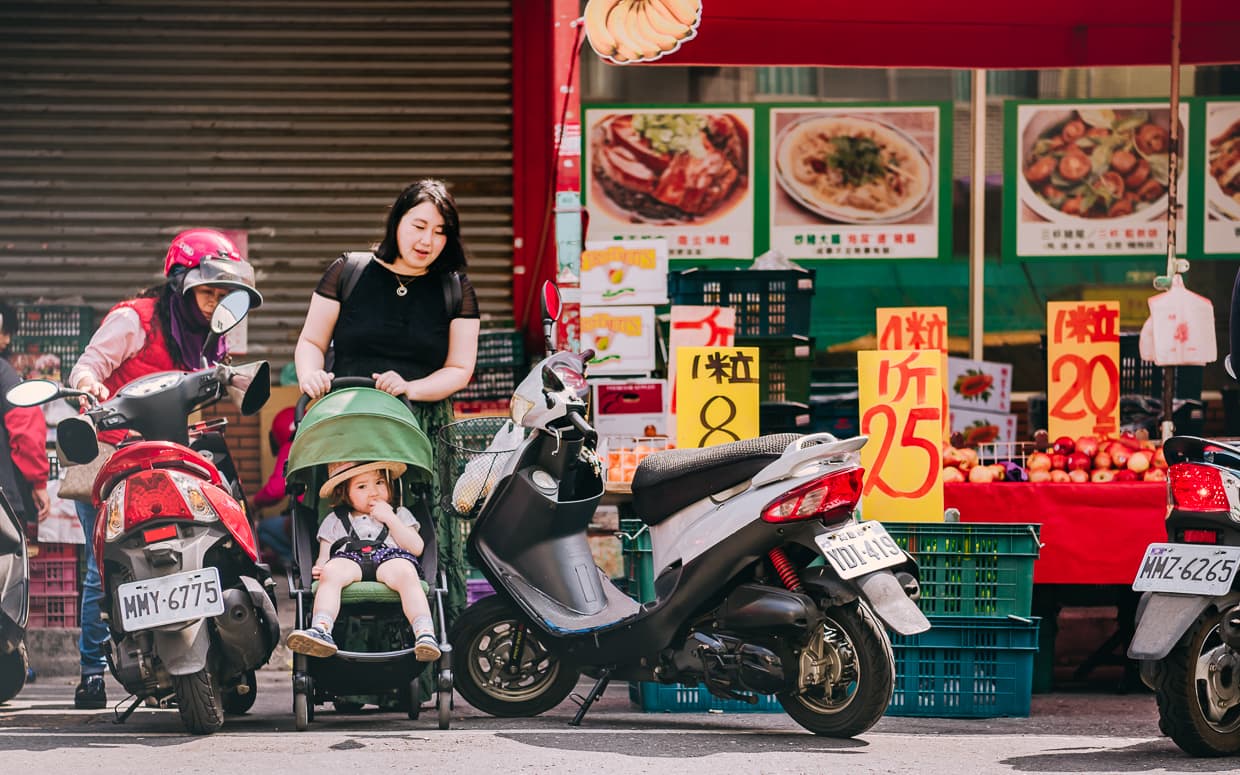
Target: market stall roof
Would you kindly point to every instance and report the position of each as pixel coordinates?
(1002, 34)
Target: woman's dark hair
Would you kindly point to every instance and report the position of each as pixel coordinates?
(163, 293)
(434, 191)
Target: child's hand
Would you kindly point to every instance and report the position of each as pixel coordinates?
(383, 513)
(316, 571)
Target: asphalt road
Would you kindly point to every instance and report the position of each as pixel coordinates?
(1095, 732)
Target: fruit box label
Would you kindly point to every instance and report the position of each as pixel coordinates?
(636, 407)
(622, 339)
(983, 427)
(624, 272)
(979, 385)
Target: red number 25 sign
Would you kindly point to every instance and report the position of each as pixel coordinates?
(1082, 356)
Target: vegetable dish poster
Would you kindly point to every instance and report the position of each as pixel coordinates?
(1091, 179)
(856, 182)
(685, 174)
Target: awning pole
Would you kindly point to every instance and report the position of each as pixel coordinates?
(1174, 266)
(977, 218)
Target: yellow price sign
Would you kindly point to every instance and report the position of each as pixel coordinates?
(912, 328)
(716, 394)
(1082, 360)
(902, 413)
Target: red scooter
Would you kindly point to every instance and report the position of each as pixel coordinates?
(191, 609)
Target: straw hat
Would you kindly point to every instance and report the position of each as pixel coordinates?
(346, 470)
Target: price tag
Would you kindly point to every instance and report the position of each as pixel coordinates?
(717, 391)
(902, 413)
(1082, 355)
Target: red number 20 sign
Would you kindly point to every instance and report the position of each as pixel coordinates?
(1082, 354)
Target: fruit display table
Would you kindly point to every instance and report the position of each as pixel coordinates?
(1091, 533)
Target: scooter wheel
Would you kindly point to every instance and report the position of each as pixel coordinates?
(14, 670)
(1196, 691)
(199, 701)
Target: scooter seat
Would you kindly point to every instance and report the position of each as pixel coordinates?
(666, 482)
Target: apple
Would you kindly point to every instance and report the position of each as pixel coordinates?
(952, 474)
(1102, 475)
(1102, 461)
(1079, 461)
(1000, 471)
(981, 474)
(1040, 475)
(1139, 462)
(1064, 445)
(1038, 461)
(1087, 445)
(1060, 476)
(1119, 454)
(1078, 475)
(1160, 460)
(1154, 475)
(968, 458)
(951, 457)
(1059, 462)
(1126, 475)
(1130, 440)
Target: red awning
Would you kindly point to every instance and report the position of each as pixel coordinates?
(1000, 34)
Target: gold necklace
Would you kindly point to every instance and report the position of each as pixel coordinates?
(401, 290)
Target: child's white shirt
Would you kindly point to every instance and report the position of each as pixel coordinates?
(367, 529)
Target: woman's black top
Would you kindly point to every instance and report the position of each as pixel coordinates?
(377, 330)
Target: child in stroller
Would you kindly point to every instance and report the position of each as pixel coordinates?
(366, 539)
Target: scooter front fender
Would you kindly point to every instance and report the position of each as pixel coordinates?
(184, 650)
(1162, 619)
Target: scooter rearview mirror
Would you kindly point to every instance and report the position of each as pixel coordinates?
(33, 392)
(551, 306)
(551, 381)
(77, 439)
(231, 310)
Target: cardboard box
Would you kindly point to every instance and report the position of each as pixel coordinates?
(624, 272)
(634, 407)
(979, 385)
(623, 339)
(983, 427)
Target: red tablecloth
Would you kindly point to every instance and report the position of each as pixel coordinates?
(1092, 533)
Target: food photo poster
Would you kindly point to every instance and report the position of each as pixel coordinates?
(860, 181)
(1091, 179)
(1221, 158)
(685, 174)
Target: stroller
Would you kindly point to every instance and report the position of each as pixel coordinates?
(376, 662)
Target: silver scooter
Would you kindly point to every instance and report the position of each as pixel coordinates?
(764, 582)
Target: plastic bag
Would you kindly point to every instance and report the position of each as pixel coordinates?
(482, 472)
(1180, 328)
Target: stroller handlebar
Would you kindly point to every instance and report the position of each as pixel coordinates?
(303, 401)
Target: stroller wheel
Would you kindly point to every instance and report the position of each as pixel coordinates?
(301, 712)
(445, 708)
(415, 699)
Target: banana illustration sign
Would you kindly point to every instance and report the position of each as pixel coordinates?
(626, 31)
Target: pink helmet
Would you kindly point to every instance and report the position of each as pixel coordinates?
(190, 247)
(210, 258)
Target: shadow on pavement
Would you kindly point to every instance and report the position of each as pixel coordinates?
(1153, 756)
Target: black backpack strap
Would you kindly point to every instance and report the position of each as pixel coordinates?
(354, 262)
(452, 293)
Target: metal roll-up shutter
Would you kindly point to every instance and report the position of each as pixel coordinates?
(297, 123)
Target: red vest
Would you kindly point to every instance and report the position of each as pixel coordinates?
(154, 356)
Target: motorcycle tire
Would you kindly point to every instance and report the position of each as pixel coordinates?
(235, 703)
(866, 653)
(1184, 691)
(482, 639)
(14, 667)
(199, 701)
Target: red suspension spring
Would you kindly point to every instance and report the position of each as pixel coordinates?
(783, 566)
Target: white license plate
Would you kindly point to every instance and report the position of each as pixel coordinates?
(170, 599)
(1194, 569)
(855, 550)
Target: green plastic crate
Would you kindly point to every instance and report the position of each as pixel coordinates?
(965, 667)
(971, 569)
(501, 347)
(784, 366)
(58, 330)
(654, 697)
(638, 559)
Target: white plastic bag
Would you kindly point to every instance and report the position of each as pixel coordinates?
(480, 475)
(1180, 328)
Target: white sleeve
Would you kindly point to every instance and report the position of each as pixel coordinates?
(406, 517)
(118, 339)
(331, 530)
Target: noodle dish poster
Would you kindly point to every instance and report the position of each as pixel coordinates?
(860, 181)
(1090, 178)
(678, 172)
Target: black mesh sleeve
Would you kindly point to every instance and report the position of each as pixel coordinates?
(469, 299)
(329, 285)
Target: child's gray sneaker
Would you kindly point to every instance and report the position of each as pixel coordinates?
(426, 647)
(312, 641)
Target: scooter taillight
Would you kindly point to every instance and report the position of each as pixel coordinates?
(156, 494)
(1196, 487)
(830, 498)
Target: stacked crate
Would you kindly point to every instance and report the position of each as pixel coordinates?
(976, 661)
(49, 339)
(834, 403)
(500, 366)
(773, 314)
(53, 586)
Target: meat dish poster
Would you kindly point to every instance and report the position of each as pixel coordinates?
(859, 182)
(685, 174)
(1090, 178)
(1221, 158)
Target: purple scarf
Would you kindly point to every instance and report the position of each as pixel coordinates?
(190, 329)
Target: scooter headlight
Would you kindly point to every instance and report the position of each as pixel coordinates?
(520, 407)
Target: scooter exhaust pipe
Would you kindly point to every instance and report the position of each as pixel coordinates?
(1229, 628)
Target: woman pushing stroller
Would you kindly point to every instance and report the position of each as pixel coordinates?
(366, 539)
